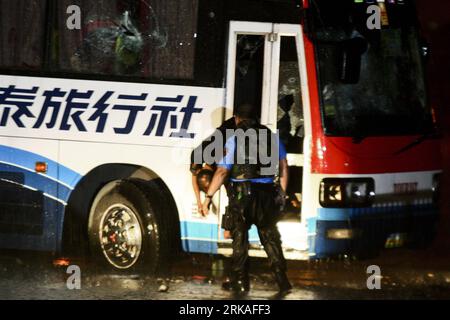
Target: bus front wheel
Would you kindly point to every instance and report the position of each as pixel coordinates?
(126, 230)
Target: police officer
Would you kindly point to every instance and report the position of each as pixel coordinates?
(252, 198)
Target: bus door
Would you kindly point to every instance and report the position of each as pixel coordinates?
(266, 68)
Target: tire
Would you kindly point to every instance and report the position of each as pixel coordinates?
(168, 214)
(127, 231)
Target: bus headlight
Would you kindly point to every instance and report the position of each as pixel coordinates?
(346, 193)
(340, 234)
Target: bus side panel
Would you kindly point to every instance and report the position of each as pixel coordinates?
(32, 204)
(153, 126)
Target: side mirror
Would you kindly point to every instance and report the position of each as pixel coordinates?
(352, 51)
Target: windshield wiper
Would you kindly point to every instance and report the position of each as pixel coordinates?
(418, 141)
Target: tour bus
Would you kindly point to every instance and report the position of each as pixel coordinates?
(102, 103)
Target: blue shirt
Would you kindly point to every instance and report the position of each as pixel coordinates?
(228, 160)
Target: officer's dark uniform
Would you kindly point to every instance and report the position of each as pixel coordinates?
(252, 200)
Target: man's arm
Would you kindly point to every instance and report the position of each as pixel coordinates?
(224, 166)
(196, 190)
(283, 165)
(220, 176)
(284, 174)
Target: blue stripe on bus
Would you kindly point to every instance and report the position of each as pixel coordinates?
(333, 214)
(199, 237)
(200, 246)
(340, 214)
(311, 224)
(40, 182)
(201, 231)
(203, 237)
(28, 160)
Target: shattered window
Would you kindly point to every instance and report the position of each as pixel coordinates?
(389, 96)
(22, 44)
(153, 39)
(391, 89)
(290, 109)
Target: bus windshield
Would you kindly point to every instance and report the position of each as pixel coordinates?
(389, 97)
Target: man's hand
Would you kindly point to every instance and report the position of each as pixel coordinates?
(199, 206)
(205, 207)
(281, 199)
(219, 178)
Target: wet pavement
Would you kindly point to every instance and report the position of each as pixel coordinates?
(405, 274)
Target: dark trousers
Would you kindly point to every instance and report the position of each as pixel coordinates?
(255, 204)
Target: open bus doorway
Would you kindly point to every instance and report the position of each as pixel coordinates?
(263, 70)
(248, 89)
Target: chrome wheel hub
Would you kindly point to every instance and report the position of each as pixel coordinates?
(120, 236)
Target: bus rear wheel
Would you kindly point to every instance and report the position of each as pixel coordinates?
(126, 229)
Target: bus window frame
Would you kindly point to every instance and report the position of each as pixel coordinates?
(209, 68)
(201, 78)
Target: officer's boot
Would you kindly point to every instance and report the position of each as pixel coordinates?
(283, 283)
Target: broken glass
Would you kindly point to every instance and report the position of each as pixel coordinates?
(152, 38)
